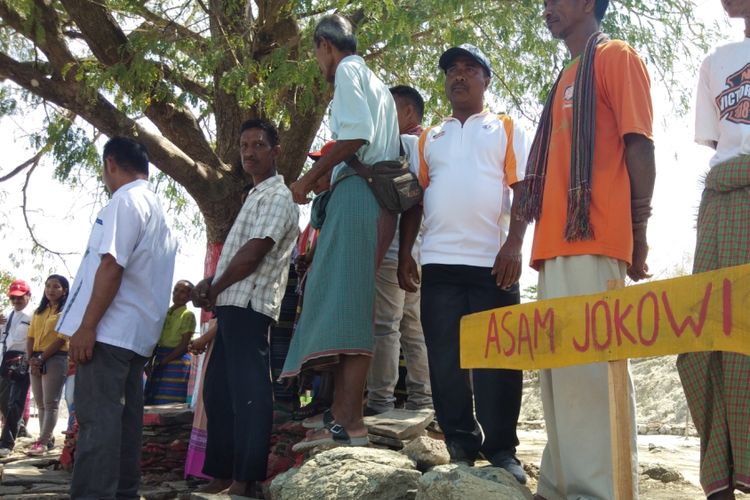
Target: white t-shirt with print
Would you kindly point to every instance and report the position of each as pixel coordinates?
(722, 111)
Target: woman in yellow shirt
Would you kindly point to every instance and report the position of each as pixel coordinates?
(48, 360)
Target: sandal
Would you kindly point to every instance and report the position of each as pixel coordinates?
(315, 424)
(338, 436)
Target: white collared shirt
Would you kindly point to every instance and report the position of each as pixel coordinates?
(466, 171)
(17, 327)
(269, 212)
(132, 229)
(363, 108)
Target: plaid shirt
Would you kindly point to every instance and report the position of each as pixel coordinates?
(268, 212)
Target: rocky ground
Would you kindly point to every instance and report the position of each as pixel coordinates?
(667, 447)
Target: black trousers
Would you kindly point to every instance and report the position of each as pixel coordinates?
(13, 409)
(449, 292)
(238, 397)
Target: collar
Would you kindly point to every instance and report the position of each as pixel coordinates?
(267, 184)
(178, 310)
(415, 130)
(353, 58)
(481, 114)
(132, 185)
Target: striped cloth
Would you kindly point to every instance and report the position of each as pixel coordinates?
(716, 383)
(168, 384)
(339, 295)
(578, 224)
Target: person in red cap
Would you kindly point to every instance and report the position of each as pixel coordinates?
(13, 391)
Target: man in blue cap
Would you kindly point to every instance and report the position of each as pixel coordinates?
(471, 257)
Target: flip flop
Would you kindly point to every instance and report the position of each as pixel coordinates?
(338, 436)
(316, 424)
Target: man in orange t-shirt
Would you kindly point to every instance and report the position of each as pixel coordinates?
(591, 203)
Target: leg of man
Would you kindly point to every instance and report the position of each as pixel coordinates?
(16, 401)
(219, 413)
(577, 461)
(444, 301)
(419, 392)
(389, 308)
(52, 383)
(350, 376)
(4, 395)
(497, 393)
(245, 339)
(100, 397)
(132, 430)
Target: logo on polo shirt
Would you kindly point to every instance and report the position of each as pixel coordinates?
(438, 135)
(734, 102)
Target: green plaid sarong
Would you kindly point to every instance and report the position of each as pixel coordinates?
(717, 384)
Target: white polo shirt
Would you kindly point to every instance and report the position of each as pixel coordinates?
(467, 172)
(132, 229)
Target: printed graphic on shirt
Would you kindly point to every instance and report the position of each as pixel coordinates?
(568, 96)
(734, 102)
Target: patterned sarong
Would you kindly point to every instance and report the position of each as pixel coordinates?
(168, 384)
(339, 292)
(716, 383)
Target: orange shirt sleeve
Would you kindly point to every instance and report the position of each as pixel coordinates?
(424, 169)
(627, 88)
(510, 164)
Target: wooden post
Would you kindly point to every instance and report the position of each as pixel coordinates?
(619, 423)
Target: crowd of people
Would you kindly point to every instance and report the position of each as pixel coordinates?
(369, 283)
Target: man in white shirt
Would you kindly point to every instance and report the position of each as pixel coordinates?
(113, 316)
(471, 258)
(716, 383)
(247, 290)
(397, 323)
(13, 391)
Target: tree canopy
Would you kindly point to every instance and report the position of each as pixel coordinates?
(182, 75)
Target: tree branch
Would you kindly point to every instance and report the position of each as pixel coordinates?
(23, 166)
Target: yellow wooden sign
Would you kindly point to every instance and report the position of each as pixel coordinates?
(703, 312)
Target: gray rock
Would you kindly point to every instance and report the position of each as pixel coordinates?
(661, 473)
(427, 452)
(20, 475)
(388, 442)
(400, 424)
(459, 482)
(347, 474)
(11, 490)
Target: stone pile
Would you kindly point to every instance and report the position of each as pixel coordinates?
(166, 434)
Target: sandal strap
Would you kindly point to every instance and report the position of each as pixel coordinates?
(338, 433)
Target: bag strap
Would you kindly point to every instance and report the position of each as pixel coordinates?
(356, 164)
(7, 330)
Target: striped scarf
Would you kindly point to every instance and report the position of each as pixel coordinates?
(578, 225)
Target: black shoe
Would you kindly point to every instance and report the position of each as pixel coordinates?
(459, 455)
(507, 460)
(51, 443)
(22, 432)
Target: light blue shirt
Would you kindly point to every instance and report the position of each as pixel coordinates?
(363, 108)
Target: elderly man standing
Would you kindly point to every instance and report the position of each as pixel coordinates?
(471, 257)
(247, 290)
(336, 324)
(114, 317)
(588, 186)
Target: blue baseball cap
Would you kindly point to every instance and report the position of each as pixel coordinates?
(465, 49)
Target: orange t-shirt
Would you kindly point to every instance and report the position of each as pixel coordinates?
(623, 106)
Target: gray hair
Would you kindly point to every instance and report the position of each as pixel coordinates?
(338, 30)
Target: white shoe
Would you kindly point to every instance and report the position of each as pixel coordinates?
(4, 452)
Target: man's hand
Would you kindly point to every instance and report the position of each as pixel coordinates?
(81, 348)
(200, 294)
(638, 270)
(408, 273)
(507, 268)
(300, 188)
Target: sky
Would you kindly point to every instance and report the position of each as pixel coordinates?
(61, 216)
